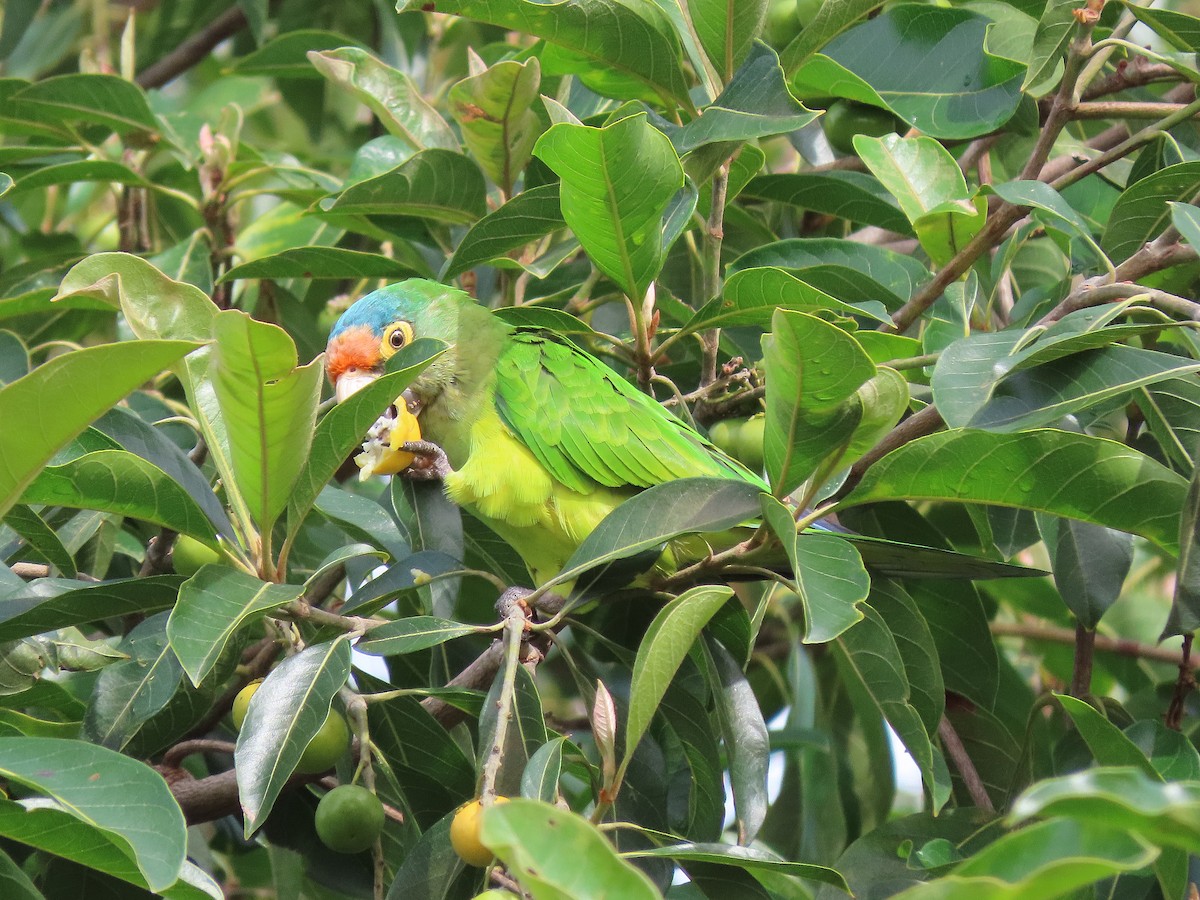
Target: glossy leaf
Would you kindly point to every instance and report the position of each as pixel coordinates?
(436, 184)
(33, 610)
(726, 29)
(828, 572)
(213, 605)
(103, 99)
(320, 262)
(554, 853)
(285, 713)
(67, 384)
(529, 215)
(411, 634)
(122, 797)
(746, 742)
(749, 858)
(120, 482)
(851, 195)
(815, 370)
(617, 219)
(1090, 564)
(1142, 211)
(269, 406)
(494, 109)
(635, 41)
(1072, 475)
(661, 652)
(659, 514)
(390, 94)
(882, 62)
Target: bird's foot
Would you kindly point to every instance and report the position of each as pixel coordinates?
(430, 462)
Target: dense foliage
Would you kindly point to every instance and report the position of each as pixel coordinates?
(954, 312)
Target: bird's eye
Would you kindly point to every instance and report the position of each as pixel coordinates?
(397, 335)
(396, 339)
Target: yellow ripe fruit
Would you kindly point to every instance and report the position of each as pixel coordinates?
(464, 834)
(378, 458)
(241, 703)
(349, 819)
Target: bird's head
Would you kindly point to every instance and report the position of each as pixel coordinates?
(386, 321)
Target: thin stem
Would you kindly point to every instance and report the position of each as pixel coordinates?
(1081, 672)
(515, 631)
(1101, 643)
(193, 50)
(957, 753)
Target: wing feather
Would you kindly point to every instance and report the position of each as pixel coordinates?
(589, 426)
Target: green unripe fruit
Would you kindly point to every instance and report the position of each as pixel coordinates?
(724, 435)
(327, 747)
(750, 442)
(844, 119)
(189, 555)
(349, 819)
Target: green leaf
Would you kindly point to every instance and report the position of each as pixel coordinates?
(617, 219)
(755, 104)
(958, 623)
(31, 612)
(667, 641)
(122, 797)
(831, 19)
(746, 742)
(726, 29)
(1090, 564)
(434, 184)
(285, 713)
(1167, 814)
(884, 62)
(1073, 475)
(914, 639)
(850, 195)
(390, 94)
(213, 605)
(411, 634)
(814, 370)
(119, 482)
(40, 537)
(638, 42)
(554, 853)
(868, 653)
(1180, 30)
(1044, 861)
(530, 215)
(494, 109)
(132, 690)
(104, 99)
(79, 171)
(751, 297)
(1108, 744)
(660, 513)
(68, 385)
(1143, 211)
(286, 56)
(1185, 603)
(344, 427)
(828, 571)
(749, 858)
(1050, 42)
(320, 262)
(539, 781)
(929, 186)
(1040, 196)
(269, 406)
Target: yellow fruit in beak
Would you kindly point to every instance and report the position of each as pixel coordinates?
(381, 451)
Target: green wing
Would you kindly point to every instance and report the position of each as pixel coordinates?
(588, 425)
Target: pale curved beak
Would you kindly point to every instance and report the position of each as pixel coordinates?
(351, 382)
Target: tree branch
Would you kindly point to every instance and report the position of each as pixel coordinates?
(194, 49)
(957, 753)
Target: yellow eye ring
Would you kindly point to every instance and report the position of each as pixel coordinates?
(396, 336)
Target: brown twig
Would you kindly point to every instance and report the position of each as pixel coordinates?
(1081, 670)
(919, 424)
(194, 49)
(181, 751)
(1117, 646)
(957, 754)
(1185, 683)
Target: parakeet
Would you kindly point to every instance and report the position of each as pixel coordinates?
(542, 439)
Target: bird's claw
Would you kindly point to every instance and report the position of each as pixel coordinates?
(430, 462)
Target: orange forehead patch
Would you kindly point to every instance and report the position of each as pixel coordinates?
(354, 348)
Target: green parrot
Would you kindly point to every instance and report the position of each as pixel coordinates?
(541, 440)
